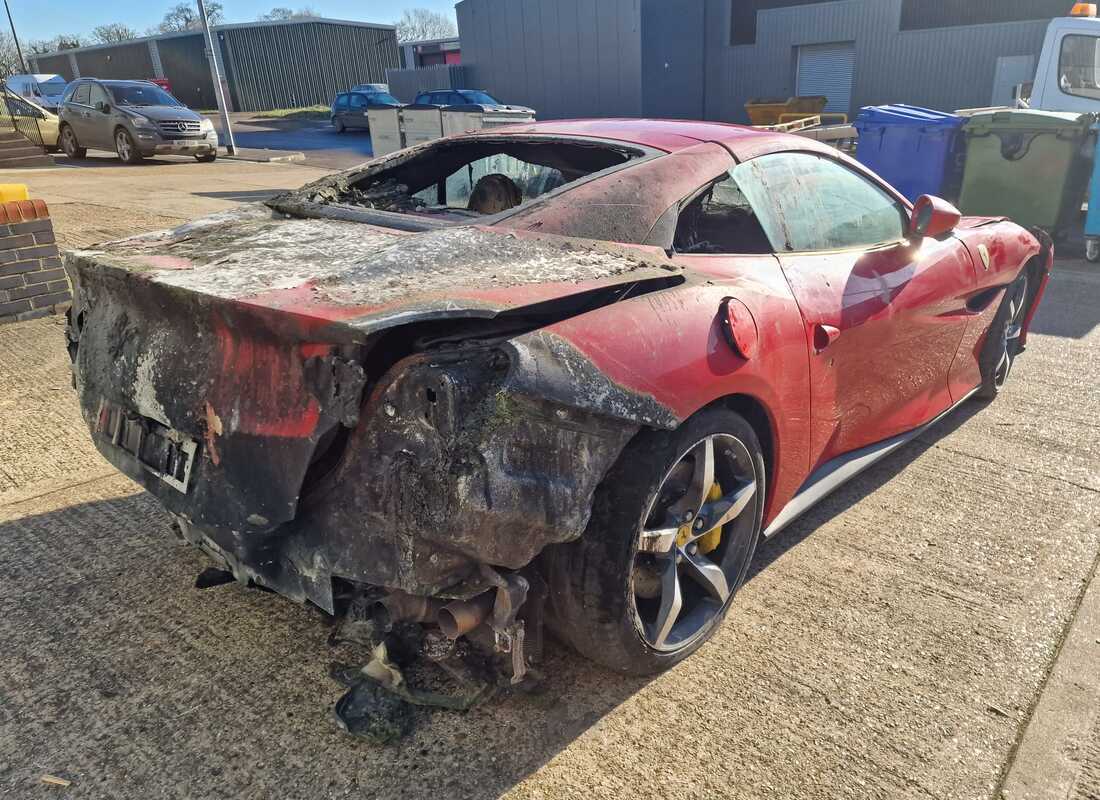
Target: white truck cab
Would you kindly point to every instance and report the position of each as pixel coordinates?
(44, 89)
(1068, 76)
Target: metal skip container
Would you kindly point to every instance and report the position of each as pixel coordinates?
(1030, 166)
(914, 149)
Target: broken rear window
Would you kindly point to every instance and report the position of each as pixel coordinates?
(460, 180)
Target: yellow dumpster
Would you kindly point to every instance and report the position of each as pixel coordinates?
(765, 111)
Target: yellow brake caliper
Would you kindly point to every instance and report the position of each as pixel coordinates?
(710, 540)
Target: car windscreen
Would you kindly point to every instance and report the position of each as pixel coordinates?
(141, 94)
(382, 98)
(479, 98)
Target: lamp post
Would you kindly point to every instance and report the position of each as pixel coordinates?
(215, 72)
(18, 49)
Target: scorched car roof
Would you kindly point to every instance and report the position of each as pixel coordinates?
(668, 134)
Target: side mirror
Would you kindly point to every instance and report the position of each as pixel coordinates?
(103, 107)
(933, 217)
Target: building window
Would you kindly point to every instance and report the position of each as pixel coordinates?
(923, 14)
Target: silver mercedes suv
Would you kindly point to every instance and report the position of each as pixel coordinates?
(136, 119)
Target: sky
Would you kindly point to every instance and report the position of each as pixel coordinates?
(80, 16)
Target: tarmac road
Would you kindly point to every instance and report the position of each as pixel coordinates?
(317, 140)
(893, 643)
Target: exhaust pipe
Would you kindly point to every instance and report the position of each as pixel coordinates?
(462, 616)
(400, 607)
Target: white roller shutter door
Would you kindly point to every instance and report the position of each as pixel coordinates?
(827, 69)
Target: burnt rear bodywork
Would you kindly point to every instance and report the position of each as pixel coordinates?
(322, 404)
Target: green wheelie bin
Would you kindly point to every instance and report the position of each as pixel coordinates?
(1030, 166)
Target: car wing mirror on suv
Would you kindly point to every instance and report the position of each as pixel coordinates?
(103, 107)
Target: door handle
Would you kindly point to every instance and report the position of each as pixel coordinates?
(824, 335)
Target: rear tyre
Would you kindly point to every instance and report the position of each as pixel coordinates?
(339, 125)
(1002, 343)
(673, 531)
(207, 158)
(69, 144)
(125, 147)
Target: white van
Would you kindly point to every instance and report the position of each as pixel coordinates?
(45, 90)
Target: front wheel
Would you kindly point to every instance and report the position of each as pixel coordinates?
(1092, 249)
(673, 531)
(207, 158)
(69, 144)
(125, 147)
(1002, 343)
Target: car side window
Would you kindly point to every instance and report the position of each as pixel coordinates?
(359, 101)
(80, 96)
(720, 220)
(808, 203)
(1079, 66)
(96, 94)
(342, 102)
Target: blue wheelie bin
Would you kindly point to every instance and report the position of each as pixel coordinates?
(914, 149)
(1092, 221)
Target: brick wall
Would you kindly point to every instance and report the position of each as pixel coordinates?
(32, 281)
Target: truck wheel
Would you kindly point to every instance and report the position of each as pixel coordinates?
(1002, 343)
(673, 530)
(69, 144)
(1092, 249)
(125, 147)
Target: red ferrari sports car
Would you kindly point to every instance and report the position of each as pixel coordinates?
(565, 374)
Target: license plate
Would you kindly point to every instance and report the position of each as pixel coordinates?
(164, 452)
(182, 143)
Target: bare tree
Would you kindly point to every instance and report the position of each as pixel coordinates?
(417, 24)
(280, 13)
(9, 57)
(185, 17)
(113, 32)
(64, 41)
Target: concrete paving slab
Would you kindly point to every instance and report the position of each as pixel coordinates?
(1059, 755)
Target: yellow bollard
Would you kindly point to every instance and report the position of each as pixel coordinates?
(13, 191)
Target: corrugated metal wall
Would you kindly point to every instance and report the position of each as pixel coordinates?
(406, 83)
(286, 66)
(561, 57)
(579, 58)
(945, 68)
(52, 65)
(186, 68)
(121, 62)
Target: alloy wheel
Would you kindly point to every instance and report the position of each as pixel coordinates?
(1012, 331)
(123, 146)
(690, 549)
(68, 143)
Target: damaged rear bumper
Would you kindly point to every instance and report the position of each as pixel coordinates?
(454, 465)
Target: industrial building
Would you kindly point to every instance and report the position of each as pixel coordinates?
(704, 59)
(431, 53)
(265, 65)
